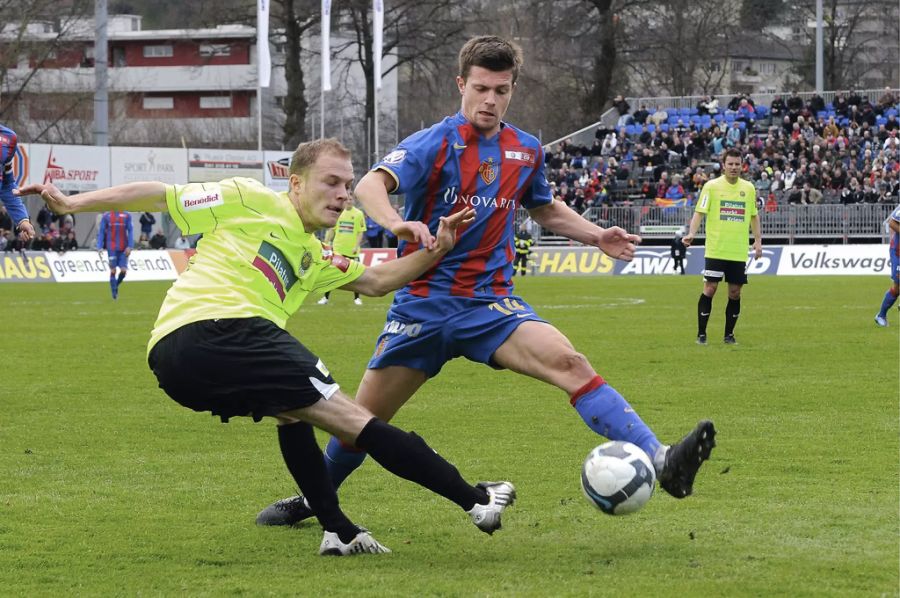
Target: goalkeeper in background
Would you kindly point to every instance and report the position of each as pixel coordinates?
(346, 239)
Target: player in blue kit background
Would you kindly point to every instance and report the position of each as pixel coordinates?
(464, 306)
(14, 206)
(890, 296)
(116, 236)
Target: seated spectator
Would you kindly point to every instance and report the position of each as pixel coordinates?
(143, 242)
(771, 204)
(640, 115)
(675, 190)
(892, 142)
(609, 145)
(663, 185)
(708, 106)
(746, 112)
(841, 107)
(794, 105)
(733, 137)
(158, 240)
(763, 184)
(66, 243)
(659, 117)
(887, 100)
(182, 243)
(777, 108)
(815, 104)
(623, 108)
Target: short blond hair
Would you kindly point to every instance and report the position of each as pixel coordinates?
(308, 152)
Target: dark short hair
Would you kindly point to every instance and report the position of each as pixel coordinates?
(308, 152)
(732, 153)
(492, 53)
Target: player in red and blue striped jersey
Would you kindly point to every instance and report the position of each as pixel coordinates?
(890, 296)
(464, 306)
(14, 206)
(116, 236)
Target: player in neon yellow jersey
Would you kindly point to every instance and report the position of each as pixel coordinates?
(729, 204)
(219, 343)
(346, 238)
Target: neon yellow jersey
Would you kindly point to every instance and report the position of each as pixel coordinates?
(254, 259)
(728, 210)
(351, 223)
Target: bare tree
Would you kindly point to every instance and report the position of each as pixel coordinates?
(680, 48)
(419, 31)
(40, 31)
(295, 18)
(860, 36)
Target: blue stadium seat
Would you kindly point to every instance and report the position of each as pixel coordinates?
(844, 122)
(822, 114)
(829, 107)
(664, 128)
(762, 111)
(890, 112)
(632, 130)
(741, 125)
(694, 120)
(881, 121)
(729, 118)
(651, 128)
(685, 112)
(692, 111)
(672, 112)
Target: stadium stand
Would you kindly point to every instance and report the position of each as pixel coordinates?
(839, 152)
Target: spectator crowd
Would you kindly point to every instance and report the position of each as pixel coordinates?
(795, 151)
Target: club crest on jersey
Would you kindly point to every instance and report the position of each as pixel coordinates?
(305, 262)
(488, 171)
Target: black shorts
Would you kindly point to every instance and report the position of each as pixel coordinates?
(239, 367)
(731, 271)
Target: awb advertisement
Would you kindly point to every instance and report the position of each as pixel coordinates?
(91, 266)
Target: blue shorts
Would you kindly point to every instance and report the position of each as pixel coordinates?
(895, 267)
(117, 259)
(424, 334)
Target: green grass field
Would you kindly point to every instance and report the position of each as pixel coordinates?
(107, 487)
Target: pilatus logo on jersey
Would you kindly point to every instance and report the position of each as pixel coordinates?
(202, 199)
(732, 211)
(488, 171)
(520, 155)
(275, 267)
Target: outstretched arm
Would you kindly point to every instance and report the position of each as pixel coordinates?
(563, 220)
(136, 197)
(389, 276)
(372, 192)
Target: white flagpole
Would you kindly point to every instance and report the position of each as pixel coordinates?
(326, 62)
(263, 63)
(377, 33)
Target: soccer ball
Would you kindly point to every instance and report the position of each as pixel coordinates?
(618, 478)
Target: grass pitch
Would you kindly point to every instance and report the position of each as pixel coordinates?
(108, 487)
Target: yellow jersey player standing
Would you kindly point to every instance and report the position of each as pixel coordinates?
(729, 203)
(346, 239)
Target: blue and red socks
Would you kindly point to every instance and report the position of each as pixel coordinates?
(342, 460)
(607, 413)
(890, 297)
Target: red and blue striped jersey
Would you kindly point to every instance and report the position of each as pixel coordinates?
(14, 205)
(115, 232)
(451, 166)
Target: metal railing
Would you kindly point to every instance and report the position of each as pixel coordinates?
(585, 136)
(788, 224)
